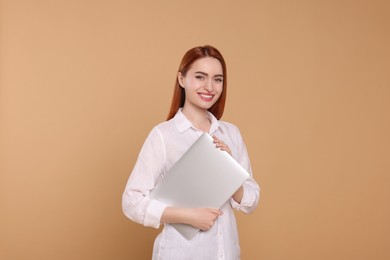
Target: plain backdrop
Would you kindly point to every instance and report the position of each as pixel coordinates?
(83, 82)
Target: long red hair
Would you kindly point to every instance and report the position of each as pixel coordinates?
(189, 58)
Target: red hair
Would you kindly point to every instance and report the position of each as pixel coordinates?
(189, 58)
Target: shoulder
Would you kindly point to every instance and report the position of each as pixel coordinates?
(162, 128)
(165, 126)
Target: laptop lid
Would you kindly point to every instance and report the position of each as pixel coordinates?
(204, 176)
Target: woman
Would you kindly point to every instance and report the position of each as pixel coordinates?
(197, 105)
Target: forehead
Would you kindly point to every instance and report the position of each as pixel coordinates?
(208, 65)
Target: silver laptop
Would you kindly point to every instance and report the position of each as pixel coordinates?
(204, 176)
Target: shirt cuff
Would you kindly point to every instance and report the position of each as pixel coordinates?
(153, 213)
(247, 200)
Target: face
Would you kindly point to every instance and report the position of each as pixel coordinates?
(203, 84)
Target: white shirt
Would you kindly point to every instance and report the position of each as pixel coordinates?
(165, 144)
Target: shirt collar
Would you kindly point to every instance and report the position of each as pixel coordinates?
(183, 124)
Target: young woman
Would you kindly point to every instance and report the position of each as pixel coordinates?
(197, 106)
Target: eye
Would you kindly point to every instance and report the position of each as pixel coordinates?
(219, 80)
(199, 77)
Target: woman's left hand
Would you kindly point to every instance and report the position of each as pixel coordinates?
(221, 145)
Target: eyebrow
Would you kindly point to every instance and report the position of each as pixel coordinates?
(205, 74)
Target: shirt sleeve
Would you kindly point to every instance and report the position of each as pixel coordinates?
(136, 203)
(251, 195)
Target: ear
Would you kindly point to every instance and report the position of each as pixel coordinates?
(180, 79)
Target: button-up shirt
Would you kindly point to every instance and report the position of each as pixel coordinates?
(165, 144)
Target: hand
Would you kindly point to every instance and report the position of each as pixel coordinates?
(221, 145)
(203, 218)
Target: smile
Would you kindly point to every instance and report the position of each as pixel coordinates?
(206, 97)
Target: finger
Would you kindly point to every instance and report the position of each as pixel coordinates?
(223, 147)
(216, 139)
(216, 211)
(226, 149)
(219, 143)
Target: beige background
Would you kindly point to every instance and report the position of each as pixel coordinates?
(83, 82)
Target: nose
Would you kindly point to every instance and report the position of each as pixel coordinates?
(209, 85)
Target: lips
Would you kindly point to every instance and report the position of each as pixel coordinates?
(206, 97)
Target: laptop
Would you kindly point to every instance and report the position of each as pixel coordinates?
(204, 176)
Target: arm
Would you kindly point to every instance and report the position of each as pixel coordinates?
(136, 203)
(251, 190)
(246, 198)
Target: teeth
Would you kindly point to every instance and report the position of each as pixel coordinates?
(206, 96)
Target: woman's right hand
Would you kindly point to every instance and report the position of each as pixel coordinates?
(201, 218)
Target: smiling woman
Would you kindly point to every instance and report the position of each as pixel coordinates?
(186, 64)
(203, 85)
(197, 106)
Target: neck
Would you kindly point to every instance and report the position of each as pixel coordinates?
(198, 118)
